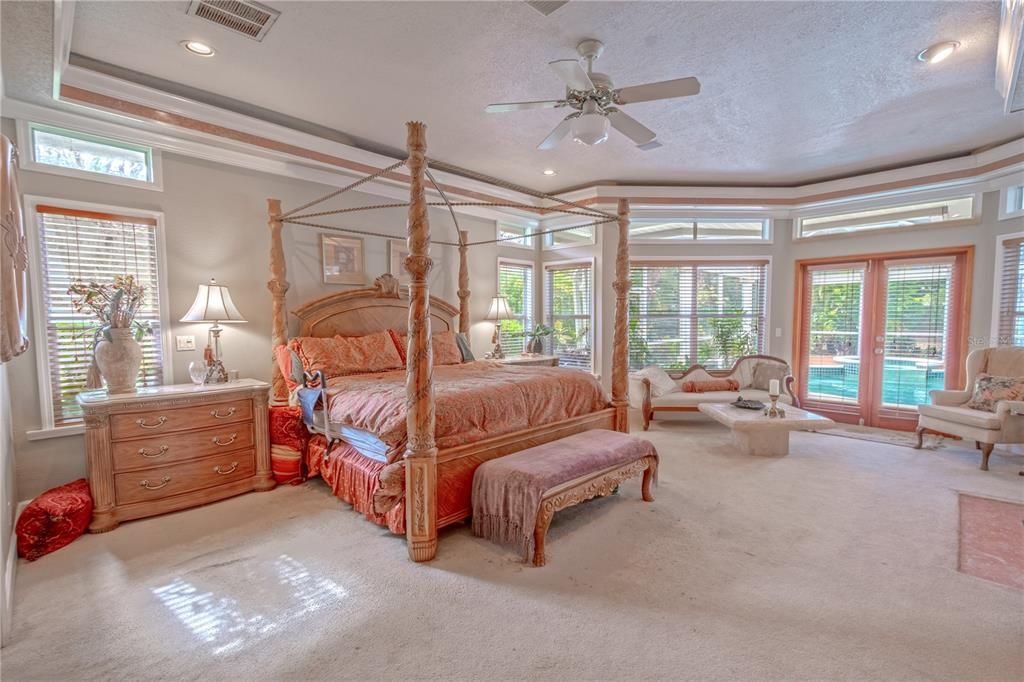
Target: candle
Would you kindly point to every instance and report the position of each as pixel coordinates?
(773, 387)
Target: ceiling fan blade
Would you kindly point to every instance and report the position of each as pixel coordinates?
(680, 87)
(630, 127)
(560, 131)
(570, 71)
(653, 144)
(519, 106)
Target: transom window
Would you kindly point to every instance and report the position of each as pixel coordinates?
(682, 313)
(576, 236)
(569, 310)
(71, 152)
(92, 246)
(904, 215)
(515, 283)
(515, 235)
(698, 229)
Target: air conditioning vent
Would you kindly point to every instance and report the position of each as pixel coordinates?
(546, 7)
(251, 19)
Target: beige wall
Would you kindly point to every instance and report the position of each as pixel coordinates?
(215, 226)
(784, 252)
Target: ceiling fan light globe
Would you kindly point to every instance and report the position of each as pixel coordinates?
(590, 129)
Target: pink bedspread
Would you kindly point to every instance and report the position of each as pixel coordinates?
(473, 401)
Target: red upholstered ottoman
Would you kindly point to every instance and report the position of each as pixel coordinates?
(288, 440)
(54, 519)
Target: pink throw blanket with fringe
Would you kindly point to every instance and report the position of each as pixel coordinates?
(507, 491)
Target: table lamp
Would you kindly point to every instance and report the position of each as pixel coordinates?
(499, 311)
(213, 304)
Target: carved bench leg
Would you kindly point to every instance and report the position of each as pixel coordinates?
(649, 473)
(540, 532)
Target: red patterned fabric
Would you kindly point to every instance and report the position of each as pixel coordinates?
(443, 345)
(341, 356)
(283, 355)
(288, 440)
(54, 519)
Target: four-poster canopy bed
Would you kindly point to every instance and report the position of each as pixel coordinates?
(421, 464)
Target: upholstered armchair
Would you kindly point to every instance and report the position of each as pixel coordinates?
(950, 414)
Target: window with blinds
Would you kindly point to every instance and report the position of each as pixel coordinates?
(832, 317)
(93, 247)
(1011, 293)
(569, 310)
(682, 313)
(515, 283)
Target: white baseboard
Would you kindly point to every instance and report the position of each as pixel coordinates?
(10, 568)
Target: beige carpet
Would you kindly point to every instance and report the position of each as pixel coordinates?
(836, 562)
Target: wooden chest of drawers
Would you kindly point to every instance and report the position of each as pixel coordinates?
(174, 447)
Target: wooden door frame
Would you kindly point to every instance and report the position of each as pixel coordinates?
(959, 318)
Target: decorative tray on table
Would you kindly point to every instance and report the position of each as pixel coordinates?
(748, 404)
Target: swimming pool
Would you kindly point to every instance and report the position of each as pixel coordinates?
(905, 381)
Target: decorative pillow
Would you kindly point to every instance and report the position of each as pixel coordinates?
(339, 356)
(711, 385)
(661, 382)
(764, 372)
(291, 366)
(989, 390)
(445, 347)
(467, 353)
(54, 519)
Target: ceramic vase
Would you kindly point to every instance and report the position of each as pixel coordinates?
(119, 360)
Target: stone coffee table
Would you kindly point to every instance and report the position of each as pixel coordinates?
(756, 434)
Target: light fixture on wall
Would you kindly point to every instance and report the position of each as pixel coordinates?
(213, 304)
(198, 48)
(499, 311)
(937, 52)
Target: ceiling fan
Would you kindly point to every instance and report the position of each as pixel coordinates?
(596, 102)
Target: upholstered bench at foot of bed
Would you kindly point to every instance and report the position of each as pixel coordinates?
(515, 497)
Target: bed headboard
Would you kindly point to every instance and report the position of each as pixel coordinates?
(357, 312)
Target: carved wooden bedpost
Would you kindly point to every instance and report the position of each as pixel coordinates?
(464, 284)
(620, 342)
(278, 286)
(421, 455)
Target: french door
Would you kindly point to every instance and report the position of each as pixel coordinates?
(876, 333)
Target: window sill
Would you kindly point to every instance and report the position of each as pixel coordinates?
(56, 432)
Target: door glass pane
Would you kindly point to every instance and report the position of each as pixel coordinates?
(916, 326)
(833, 354)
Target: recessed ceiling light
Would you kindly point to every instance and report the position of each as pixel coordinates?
(550, 171)
(198, 48)
(937, 52)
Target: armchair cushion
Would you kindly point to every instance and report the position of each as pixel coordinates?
(1006, 361)
(989, 390)
(661, 382)
(765, 371)
(979, 419)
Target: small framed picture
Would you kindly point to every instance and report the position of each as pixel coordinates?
(398, 251)
(343, 260)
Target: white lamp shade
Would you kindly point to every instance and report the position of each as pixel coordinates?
(213, 304)
(499, 310)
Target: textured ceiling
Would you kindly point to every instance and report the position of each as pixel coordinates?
(792, 92)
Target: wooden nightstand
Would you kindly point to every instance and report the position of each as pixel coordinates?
(174, 447)
(531, 360)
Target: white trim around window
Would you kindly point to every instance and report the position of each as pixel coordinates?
(27, 161)
(47, 428)
(1011, 202)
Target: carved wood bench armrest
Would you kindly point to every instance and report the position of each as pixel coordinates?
(584, 488)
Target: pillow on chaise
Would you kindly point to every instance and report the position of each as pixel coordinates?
(661, 382)
(989, 390)
(764, 372)
(711, 385)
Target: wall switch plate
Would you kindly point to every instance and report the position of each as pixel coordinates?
(184, 343)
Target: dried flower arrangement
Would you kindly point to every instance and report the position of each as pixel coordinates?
(114, 305)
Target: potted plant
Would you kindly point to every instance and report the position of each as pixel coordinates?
(535, 345)
(117, 354)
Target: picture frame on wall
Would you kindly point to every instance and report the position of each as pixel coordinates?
(398, 251)
(342, 260)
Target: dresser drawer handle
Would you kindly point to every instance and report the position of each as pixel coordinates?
(159, 422)
(164, 481)
(229, 441)
(162, 451)
(216, 413)
(222, 472)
